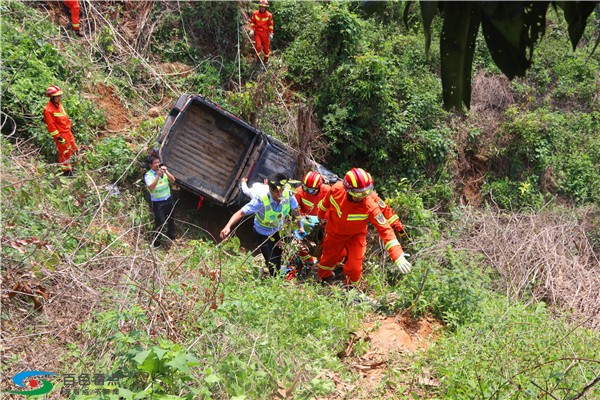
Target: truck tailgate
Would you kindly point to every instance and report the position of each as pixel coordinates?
(204, 154)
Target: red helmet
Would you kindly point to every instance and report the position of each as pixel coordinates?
(358, 183)
(53, 91)
(312, 180)
(263, 3)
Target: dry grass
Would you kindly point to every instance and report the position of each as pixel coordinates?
(547, 256)
(491, 92)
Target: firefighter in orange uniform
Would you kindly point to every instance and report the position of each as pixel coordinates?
(261, 28)
(73, 6)
(348, 209)
(59, 126)
(309, 194)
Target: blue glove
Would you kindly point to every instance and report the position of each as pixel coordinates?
(299, 235)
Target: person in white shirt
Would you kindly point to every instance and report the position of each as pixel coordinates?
(257, 189)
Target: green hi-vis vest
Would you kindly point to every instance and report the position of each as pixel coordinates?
(272, 219)
(161, 190)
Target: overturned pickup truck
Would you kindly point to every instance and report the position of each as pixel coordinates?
(209, 150)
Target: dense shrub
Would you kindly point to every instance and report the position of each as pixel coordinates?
(515, 351)
(30, 64)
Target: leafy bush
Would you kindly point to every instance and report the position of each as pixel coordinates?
(560, 148)
(453, 290)
(510, 195)
(30, 65)
(515, 351)
(114, 156)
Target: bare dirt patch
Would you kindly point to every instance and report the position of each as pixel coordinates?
(391, 343)
(108, 100)
(475, 136)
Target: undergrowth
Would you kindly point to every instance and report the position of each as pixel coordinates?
(194, 321)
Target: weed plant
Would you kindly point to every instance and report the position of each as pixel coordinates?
(516, 351)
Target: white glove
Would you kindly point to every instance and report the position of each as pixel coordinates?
(251, 33)
(271, 36)
(403, 265)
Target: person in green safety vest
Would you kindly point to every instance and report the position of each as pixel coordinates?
(157, 180)
(270, 212)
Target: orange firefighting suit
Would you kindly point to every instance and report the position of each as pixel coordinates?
(73, 5)
(262, 25)
(307, 204)
(346, 233)
(388, 213)
(59, 125)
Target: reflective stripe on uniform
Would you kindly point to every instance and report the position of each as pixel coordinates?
(54, 133)
(326, 268)
(308, 203)
(58, 114)
(393, 219)
(321, 206)
(337, 207)
(357, 217)
(392, 243)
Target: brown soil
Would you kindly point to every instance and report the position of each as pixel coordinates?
(391, 344)
(491, 96)
(116, 114)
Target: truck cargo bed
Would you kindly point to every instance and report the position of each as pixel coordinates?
(204, 155)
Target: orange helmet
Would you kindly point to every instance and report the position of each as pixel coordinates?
(263, 3)
(358, 183)
(53, 91)
(312, 180)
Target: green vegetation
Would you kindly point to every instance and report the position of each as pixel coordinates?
(194, 321)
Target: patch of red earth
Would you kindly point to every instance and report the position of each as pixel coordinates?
(391, 341)
(107, 99)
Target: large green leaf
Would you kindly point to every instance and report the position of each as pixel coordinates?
(457, 45)
(576, 15)
(535, 21)
(428, 9)
(506, 35)
(406, 13)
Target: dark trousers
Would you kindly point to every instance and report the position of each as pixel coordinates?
(163, 214)
(270, 251)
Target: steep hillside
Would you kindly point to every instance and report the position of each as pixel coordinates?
(500, 206)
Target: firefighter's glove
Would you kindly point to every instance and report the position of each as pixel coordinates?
(271, 36)
(61, 140)
(251, 33)
(299, 234)
(403, 265)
